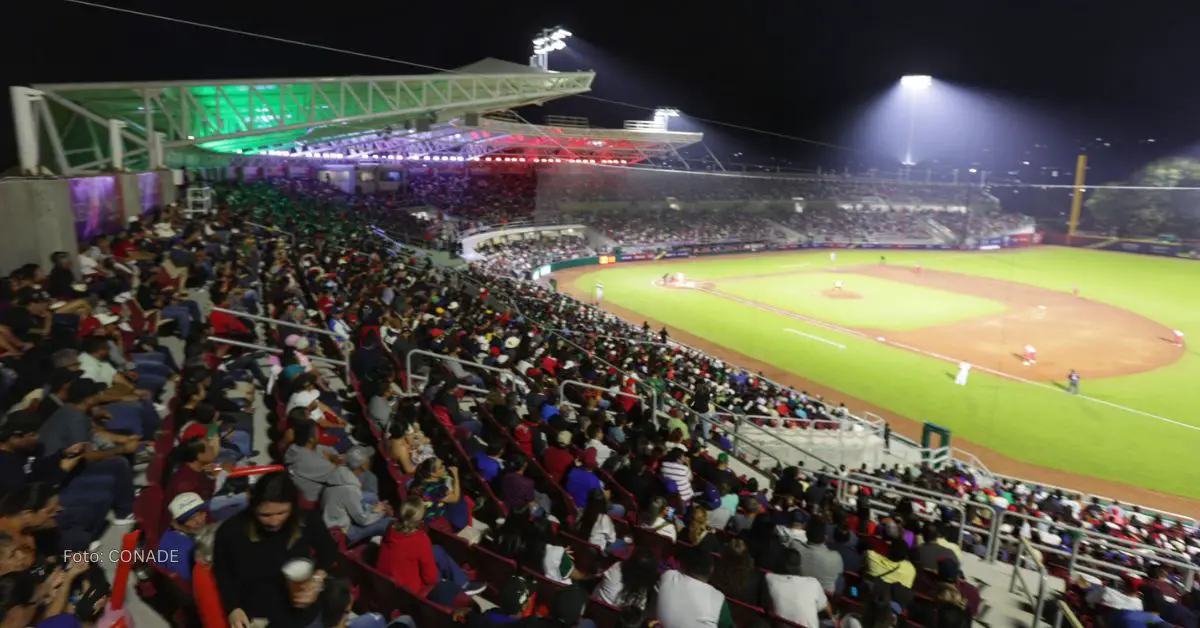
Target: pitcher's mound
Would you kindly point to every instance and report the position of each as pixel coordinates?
(840, 294)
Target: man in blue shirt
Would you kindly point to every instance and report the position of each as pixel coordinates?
(189, 515)
(582, 480)
(489, 463)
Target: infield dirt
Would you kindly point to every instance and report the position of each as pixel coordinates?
(1097, 339)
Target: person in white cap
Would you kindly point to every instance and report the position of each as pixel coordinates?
(1178, 338)
(964, 369)
(189, 515)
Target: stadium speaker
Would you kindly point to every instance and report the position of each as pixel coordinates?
(423, 125)
(471, 119)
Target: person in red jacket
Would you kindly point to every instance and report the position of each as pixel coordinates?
(558, 458)
(412, 561)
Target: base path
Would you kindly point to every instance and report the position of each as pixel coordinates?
(911, 427)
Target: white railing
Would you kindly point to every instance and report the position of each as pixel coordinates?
(1036, 596)
(307, 328)
(412, 375)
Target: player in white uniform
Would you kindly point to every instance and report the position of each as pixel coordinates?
(837, 285)
(964, 369)
(599, 292)
(832, 257)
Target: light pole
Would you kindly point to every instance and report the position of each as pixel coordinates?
(547, 41)
(913, 84)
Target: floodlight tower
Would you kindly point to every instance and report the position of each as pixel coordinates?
(913, 85)
(663, 115)
(546, 42)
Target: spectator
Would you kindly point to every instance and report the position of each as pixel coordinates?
(659, 518)
(252, 547)
(699, 534)
(893, 569)
(674, 468)
(686, 599)
(347, 506)
(931, 552)
(795, 597)
(555, 562)
(631, 582)
(189, 515)
(412, 561)
(819, 561)
(442, 491)
(596, 526)
(739, 578)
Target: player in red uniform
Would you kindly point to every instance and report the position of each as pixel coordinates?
(1178, 338)
(1030, 355)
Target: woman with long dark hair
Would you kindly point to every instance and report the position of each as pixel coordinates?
(738, 577)
(630, 583)
(252, 548)
(596, 526)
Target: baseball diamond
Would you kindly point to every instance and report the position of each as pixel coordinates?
(903, 333)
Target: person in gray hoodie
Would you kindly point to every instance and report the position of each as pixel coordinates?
(310, 469)
(343, 507)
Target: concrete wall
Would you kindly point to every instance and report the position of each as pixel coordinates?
(131, 196)
(37, 219)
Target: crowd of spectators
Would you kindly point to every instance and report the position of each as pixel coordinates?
(861, 225)
(648, 227)
(519, 257)
(487, 485)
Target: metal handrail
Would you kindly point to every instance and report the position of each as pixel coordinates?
(562, 389)
(961, 506)
(445, 358)
(1178, 560)
(281, 323)
(274, 351)
(1036, 601)
(1064, 610)
(1181, 519)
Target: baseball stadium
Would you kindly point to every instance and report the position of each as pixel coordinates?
(384, 350)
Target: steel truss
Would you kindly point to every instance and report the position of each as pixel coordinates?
(91, 127)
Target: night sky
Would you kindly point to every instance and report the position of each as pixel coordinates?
(1118, 71)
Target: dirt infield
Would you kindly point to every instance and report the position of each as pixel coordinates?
(1093, 354)
(832, 293)
(1096, 339)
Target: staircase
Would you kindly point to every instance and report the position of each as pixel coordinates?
(941, 232)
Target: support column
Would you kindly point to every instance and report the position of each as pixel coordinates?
(23, 99)
(116, 147)
(157, 155)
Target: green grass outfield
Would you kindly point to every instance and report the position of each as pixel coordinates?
(1023, 421)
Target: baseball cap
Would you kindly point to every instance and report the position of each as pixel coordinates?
(358, 456)
(19, 423)
(564, 438)
(723, 458)
(198, 430)
(185, 505)
(711, 500)
(514, 595)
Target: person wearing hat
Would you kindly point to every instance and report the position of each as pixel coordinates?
(346, 503)
(718, 514)
(189, 515)
(557, 458)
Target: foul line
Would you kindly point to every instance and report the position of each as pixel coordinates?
(812, 337)
(932, 354)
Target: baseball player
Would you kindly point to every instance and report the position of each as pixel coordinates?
(964, 369)
(1178, 338)
(1073, 382)
(837, 285)
(832, 256)
(917, 269)
(1075, 290)
(1030, 355)
(599, 292)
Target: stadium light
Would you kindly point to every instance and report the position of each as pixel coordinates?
(912, 85)
(546, 42)
(916, 81)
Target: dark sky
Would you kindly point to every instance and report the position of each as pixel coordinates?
(1111, 69)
